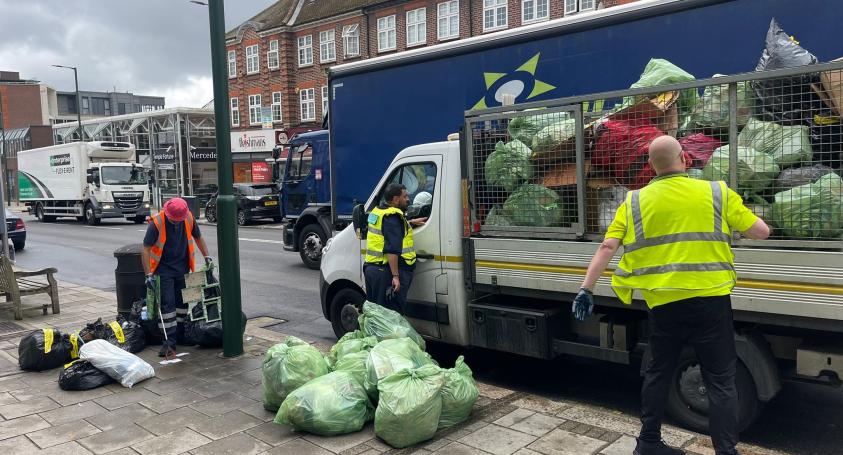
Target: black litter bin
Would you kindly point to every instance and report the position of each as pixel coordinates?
(129, 277)
(192, 205)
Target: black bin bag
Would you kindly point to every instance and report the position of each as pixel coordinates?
(81, 375)
(44, 349)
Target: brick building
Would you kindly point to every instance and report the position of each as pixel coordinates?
(277, 60)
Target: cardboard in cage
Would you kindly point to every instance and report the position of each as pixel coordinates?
(661, 111)
(831, 88)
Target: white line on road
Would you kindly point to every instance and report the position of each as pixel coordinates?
(278, 242)
(103, 227)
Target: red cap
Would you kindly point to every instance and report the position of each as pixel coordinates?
(176, 209)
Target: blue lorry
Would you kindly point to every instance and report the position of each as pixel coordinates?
(380, 105)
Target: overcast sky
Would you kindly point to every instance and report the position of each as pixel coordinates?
(148, 47)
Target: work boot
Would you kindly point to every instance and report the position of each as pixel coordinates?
(167, 351)
(655, 448)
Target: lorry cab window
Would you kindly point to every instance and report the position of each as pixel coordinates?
(302, 160)
(123, 175)
(420, 181)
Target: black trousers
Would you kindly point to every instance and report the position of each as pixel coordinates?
(379, 280)
(173, 310)
(704, 323)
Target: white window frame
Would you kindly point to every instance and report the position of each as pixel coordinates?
(417, 29)
(234, 105)
(324, 99)
(307, 104)
(272, 56)
(534, 7)
(253, 61)
(232, 64)
(579, 6)
(571, 6)
(254, 109)
(327, 46)
(447, 17)
(495, 7)
(277, 115)
(592, 5)
(305, 50)
(387, 35)
(351, 35)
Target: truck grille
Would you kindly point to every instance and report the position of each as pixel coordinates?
(128, 201)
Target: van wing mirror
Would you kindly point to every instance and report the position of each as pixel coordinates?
(358, 219)
(90, 178)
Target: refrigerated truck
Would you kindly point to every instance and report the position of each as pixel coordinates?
(509, 288)
(86, 180)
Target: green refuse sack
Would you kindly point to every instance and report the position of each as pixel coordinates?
(458, 394)
(533, 205)
(525, 128)
(712, 110)
(385, 324)
(509, 165)
(494, 218)
(788, 145)
(410, 406)
(351, 342)
(756, 170)
(553, 144)
(811, 211)
(288, 366)
(329, 405)
(661, 72)
(391, 356)
(355, 365)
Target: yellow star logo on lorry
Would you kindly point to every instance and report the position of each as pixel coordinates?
(515, 84)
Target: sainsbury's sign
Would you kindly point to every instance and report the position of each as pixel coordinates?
(252, 141)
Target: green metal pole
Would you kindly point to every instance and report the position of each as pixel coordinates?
(227, 243)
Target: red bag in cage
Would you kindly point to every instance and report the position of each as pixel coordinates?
(700, 148)
(623, 149)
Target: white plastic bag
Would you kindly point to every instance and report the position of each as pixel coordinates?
(126, 368)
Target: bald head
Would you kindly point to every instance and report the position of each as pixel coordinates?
(666, 155)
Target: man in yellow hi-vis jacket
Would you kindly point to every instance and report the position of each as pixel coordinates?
(390, 252)
(676, 235)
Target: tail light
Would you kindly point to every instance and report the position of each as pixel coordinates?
(19, 224)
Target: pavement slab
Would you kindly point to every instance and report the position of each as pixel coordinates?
(273, 434)
(124, 435)
(28, 407)
(167, 422)
(340, 443)
(179, 441)
(222, 404)
(225, 425)
(561, 442)
(61, 434)
(623, 446)
(166, 403)
(298, 447)
(73, 413)
(237, 444)
(497, 440)
(115, 419)
(123, 399)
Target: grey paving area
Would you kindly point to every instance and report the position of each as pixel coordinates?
(210, 405)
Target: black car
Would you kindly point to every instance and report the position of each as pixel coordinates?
(254, 201)
(16, 229)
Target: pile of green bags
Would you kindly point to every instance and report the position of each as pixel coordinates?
(524, 129)
(712, 110)
(379, 372)
(509, 165)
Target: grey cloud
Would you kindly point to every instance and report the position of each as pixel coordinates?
(144, 46)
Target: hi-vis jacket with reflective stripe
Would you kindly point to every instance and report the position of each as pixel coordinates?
(676, 240)
(157, 249)
(375, 240)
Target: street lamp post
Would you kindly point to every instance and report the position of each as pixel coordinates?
(227, 243)
(78, 100)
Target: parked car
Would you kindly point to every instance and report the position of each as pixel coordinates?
(16, 229)
(254, 201)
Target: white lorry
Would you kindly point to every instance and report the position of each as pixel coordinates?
(86, 180)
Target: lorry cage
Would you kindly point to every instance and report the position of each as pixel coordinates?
(559, 169)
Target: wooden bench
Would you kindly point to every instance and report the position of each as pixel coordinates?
(15, 284)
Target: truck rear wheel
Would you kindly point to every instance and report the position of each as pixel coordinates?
(346, 306)
(39, 213)
(90, 216)
(311, 241)
(687, 400)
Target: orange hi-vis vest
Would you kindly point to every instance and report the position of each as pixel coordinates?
(157, 250)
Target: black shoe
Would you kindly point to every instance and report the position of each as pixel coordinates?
(655, 448)
(167, 351)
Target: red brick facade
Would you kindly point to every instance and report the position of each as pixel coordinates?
(291, 78)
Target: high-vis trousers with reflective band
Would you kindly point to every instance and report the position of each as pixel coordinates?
(705, 324)
(173, 309)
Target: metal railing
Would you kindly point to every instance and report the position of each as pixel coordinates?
(560, 168)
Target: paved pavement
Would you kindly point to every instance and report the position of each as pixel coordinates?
(210, 405)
